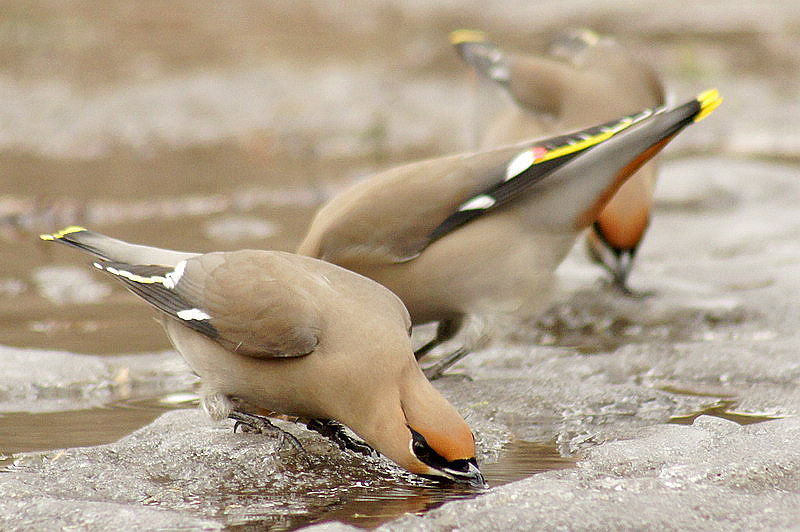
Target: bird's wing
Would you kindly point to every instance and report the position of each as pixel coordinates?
(243, 300)
(531, 165)
(394, 216)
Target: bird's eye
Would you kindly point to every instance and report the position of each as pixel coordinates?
(421, 448)
(427, 455)
(461, 470)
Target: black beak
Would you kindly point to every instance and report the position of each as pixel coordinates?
(475, 478)
(621, 268)
(471, 477)
(617, 261)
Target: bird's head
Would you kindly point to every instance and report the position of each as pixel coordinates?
(448, 458)
(617, 258)
(436, 441)
(420, 432)
(616, 234)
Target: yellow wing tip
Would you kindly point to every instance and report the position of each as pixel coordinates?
(461, 36)
(709, 100)
(60, 234)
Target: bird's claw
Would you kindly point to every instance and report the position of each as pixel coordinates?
(437, 369)
(336, 432)
(623, 288)
(253, 424)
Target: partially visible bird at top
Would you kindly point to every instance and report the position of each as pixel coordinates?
(482, 233)
(274, 331)
(583, 79)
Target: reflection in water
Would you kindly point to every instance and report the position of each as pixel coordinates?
(600, 319)
(723, 409)
(521, 459)
(369, 507)
(363, 504)
(697, 391)
(25, 431)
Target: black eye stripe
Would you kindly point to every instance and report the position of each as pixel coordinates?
(428, 456)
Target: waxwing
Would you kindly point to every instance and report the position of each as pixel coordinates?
(482, 232)
(274, 331)
(583, 79)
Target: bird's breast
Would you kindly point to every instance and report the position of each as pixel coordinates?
(495, 264)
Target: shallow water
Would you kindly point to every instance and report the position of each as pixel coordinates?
(25, 431)
(723, 410)
(163, 126)
(366, 506)
(370, 508)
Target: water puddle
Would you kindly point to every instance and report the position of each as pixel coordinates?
(723, 409)
(369, 507)
(364, 505)
(25, 431)
(601, 320)
(707, 391)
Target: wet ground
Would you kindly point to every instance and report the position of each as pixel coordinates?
(222, 127)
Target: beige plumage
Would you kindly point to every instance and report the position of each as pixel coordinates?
(482, 233)
(583, 80)
(295, 335)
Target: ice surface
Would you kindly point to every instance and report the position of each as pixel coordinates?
(143, 138)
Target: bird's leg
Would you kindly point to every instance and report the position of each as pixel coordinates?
(444, 331)
(624, 289)
(336, 432)
(476, 338)
(632, 293)
(436, 370)
(262, 425)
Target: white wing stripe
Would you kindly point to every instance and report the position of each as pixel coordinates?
(193, 314)
(478, 202)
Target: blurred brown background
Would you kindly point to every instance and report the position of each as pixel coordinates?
(223, 125)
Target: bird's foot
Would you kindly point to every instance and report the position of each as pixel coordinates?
(253, 424)
(437, 369)
(623, 288)
(336, 432)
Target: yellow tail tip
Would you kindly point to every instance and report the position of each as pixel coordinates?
(709, 100)
(710, 94)
(462, 36)
(62, 233)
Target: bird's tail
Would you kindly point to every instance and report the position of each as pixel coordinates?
(581, 171)
(618, 156)
(653, 125)
(110, 249)
(484, 56)
(708, 101)
(87, 241)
